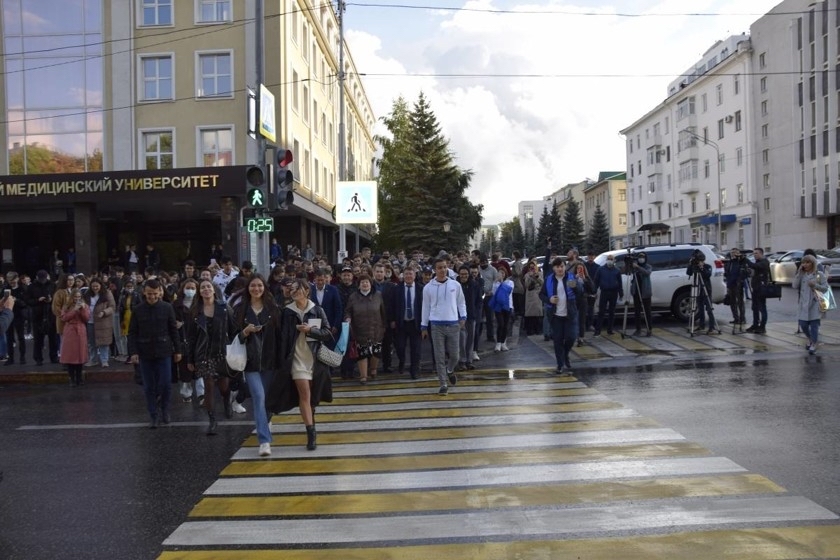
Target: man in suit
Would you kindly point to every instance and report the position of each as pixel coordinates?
(384, 286)
(404, 309)
(327, 296)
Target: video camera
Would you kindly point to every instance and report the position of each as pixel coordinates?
(697, 258)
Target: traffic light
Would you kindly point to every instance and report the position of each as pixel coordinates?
(284, 179)
(256, 179)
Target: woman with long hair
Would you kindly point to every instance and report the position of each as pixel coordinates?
(207, 328)
(256, 318)
(582, 276)
(532, 281)
(304, 326)
(501, 302)
(810, 284)
(74, 343)
(366, 313)
(100, 329)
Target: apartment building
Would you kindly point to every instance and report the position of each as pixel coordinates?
(609, 193)
(690, 163)
(126, 123)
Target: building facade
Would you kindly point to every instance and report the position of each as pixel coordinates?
(609, 193)
(119, 114)
(689, 160)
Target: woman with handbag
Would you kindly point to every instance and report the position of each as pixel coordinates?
(810, 285)
(207, 328)
(366, 312)
(74, 343)
(256, 318)
(304, 327)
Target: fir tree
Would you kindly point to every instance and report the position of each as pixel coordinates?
(572, 227)
(598, 239)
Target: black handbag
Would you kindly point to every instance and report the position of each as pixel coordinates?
(772, 290)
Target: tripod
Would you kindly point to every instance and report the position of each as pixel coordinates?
(638, 293)
(698, 288)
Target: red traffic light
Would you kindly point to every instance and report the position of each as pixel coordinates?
(284, 157)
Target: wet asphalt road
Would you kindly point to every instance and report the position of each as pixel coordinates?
(84, 477)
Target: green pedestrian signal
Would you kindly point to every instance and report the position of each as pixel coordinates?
(256, 198)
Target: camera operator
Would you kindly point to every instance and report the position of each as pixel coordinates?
(735, 272)
(636, 265)
(760, 278)
(701, 274)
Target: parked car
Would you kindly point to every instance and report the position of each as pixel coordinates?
(783, 269)
(671, 286)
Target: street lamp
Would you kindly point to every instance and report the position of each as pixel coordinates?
(446, 227)
(719, 197)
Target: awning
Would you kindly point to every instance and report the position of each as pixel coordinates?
(713, 219)
(654, 227)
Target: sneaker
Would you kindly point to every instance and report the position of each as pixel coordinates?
(760, 330)
(461, 367)
(201, 400)
(186, 399)
(237, 408)
(812, 349)
(165, 418)
(265, 450)
(453, 379)
(752, 329)
(91, 363)
(711, 331)
(504, 347)
(444, 390)
(476, 357)
(498, 347)
(104, 364)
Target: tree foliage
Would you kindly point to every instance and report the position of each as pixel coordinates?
(420, 187)
(511, 237)
(41, 159)
(598, 239)
(550, 227)
(572, 227)
(488, 244)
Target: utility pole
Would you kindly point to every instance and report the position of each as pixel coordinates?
(260, 258)
(342, 136)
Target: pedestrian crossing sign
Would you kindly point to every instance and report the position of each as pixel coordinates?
(356, 202)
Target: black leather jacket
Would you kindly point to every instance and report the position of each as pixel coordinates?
(201, 345)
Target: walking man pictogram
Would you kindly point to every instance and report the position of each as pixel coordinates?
(357, 205)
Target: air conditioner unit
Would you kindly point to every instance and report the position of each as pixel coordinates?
(676, 205)
(728, 118)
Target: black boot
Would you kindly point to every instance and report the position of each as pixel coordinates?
(211, 429)
(310, 438)
(228, 412)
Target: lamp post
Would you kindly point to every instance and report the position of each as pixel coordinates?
(446, 227)
(719, 197)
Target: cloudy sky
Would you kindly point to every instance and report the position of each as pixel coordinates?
(551, 82)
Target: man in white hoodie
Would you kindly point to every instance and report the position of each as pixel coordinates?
(445, 314)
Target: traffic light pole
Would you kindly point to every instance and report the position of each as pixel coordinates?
(260, 259)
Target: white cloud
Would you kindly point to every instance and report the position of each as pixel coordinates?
(524, 137)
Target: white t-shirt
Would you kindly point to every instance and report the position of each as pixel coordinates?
(561, 309)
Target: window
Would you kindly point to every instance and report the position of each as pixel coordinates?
(767, 228)
(316, 188)
(156, 77)
(740, 189)
(721, 163)
(306, 103)
(685, 108)
(315, 130)
(216, 146)
(156, 12)
(157, 149)
(214, 11)
(765, 131)
(622, 194)
(719, 94)
(693, 204)
(295, 95)
(765, 156)
(294, 23)
(720, 129)
(723, 198)
(622, 219)
(766, 180)
(739, 157)
(304, 36)
(736, 83)
(708, 201)
(323, 128)
(764, 108)
(763, 84)
(704, 102)
(762, 60)
(706, 169)
(215, 75)
(737, 121)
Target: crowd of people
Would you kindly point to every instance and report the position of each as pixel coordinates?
(176, 326)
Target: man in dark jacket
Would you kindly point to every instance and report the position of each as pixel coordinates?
(608, 280)
(760, 278)
(701, 276)
(16, 330)
(327, 296)
(39, 298)
(474, 296)
(404, 315)
(346, 286)
(153, 342)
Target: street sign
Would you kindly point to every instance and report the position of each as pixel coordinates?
(267, 124)
(356, 202)
(256, 198)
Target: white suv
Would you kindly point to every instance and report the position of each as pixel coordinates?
(671, 286)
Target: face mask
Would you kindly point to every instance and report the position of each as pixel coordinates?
(610, 264)
(642, 261)
(189, 293)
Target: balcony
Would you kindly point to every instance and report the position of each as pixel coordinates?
(691, 186)
(657, 196)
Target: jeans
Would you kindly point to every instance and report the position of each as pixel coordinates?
(811, 330)
(102, 353)
(606, 306)
(759, 309)
(466, 340)
(563, 330)
(445, 340)
(258, 381)
(157, 382)
(502, 321)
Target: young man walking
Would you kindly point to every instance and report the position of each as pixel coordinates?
(445, 314)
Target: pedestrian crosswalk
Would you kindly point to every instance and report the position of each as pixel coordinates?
(534, 466)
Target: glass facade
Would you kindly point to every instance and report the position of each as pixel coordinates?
(54, 85)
